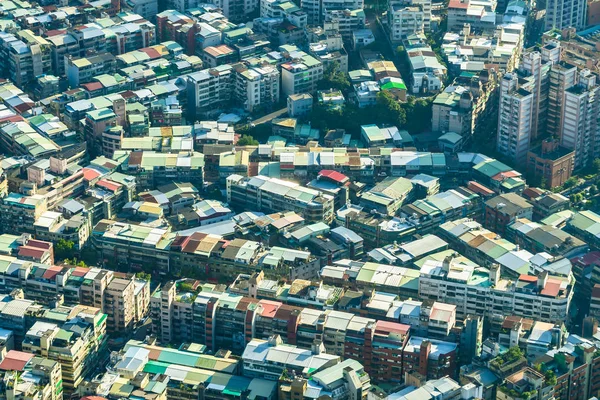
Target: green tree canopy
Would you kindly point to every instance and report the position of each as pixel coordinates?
(389, 110)
(334, 79)
(418, 114)
(596, 166)
(247, 140)
(64, 249)
(572, 181)
(76, 262)
(143, 275)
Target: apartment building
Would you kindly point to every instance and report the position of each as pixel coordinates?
(214, 56)
(146, 8)
(129, 36)
(180, 374)
(582, 224)
(78, 344)
(580, 117)
(387, 196)
(91, 39)
(277, 9)
(95, 124)
(524, 381)
(135, 246)
(25, 375)
(227, 259)
(26, 56)
(172, 197)
(210, 88)
(300, 75)
(514, 118)
(108, 196)
(536, 63)
(20, 138)
(256, 87)
(153, 169)
(578, 47)
(162, 310)
(119, 304)
(533, 337)
(481, 291)
(561, 14)
(551, 162)
(272, 195)
(346, 21)
(427, 73)
(254, 327)
(111, 140)
(316, 10)
(83, 70)
(258, 359)
(595, 302)
(452, 111)
(479, 14)
(546, 239)
(299, 104)
(18, 213)
(92, 287)
(562, 77)
(431, 358)
(61, 47)
(330, 5)
(237, 10)
(35, 250)
(313, 11)
(406, 18)
(503, 210)
(579, 375)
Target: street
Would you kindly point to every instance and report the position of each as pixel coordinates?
(269, 117)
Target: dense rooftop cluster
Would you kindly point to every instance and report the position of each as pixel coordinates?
(299, 200)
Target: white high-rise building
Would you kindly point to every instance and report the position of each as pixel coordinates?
(515, 117)
(536, 65)
(580, 125)
(256, 87)
(408, 17)
(562, 14)
(562, 77)
(301, 75)
(210, 88)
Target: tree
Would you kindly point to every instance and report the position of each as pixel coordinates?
(89, 255)
(74, 261)
(569, 183)
(64, 249)
(333, 78)
(418, 114)
(247, 140)
(143, 276)
(596, 166)
(388, 110)
(550, 377)
(187, 287)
